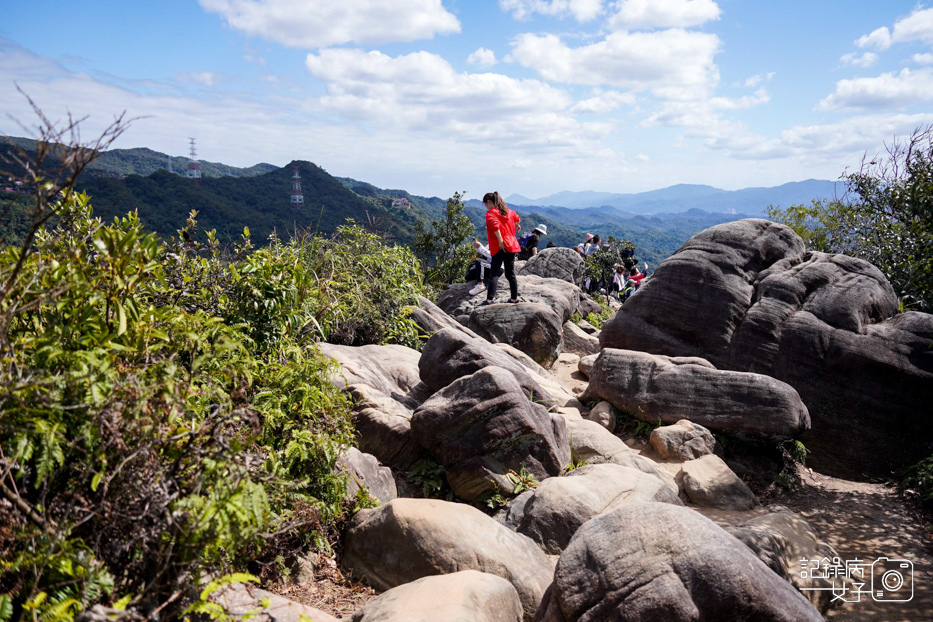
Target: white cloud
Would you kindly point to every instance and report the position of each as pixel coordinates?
(581, 10)
(854, 59)
(204, 78)
(755, 80)
(646, 14)
(315, 24)
(918, 26)
(482, 57)
(853, 136)
(603, 102)
(887, 91)
(923, 59)
(674, 64)
(421, 92)
(879, 39)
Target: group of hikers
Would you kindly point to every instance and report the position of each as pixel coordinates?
(504, 245)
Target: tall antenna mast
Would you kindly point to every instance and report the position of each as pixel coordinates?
(194, 167)
(298, 199)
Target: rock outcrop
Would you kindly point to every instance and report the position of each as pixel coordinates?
(659, 388)
(551, 513)
(392, 370)
(450, 355)
(408, 539)
(657, 561)
(364, 472)
(466, 596)
(747, 296)
(482, 426)
(383, 428)
(556, 263)
(684, 440)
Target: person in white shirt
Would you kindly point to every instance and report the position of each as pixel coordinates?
(483, 264)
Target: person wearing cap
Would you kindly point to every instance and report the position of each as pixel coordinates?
(531, 244)
(592, 245)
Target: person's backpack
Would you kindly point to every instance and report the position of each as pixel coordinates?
(522, 241)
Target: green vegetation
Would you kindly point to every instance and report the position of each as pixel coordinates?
(919, 480)
(444, 255)
(886, 218)
(164, 414)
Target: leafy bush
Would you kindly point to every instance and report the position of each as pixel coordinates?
(885, 218)
(164, 414)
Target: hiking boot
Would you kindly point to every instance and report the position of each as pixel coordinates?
(479, 287)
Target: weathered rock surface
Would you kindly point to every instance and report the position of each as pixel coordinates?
(449, 355)
(466, 596)
(594, 444)
(430, 318)
(556, 263)
(605, 414)
(392, 370)
(684, 440)
(240, 601)
(588, 328)
(781, 539)
(551, 513)
(530, 327)
(365, 473)
(408, 539)
(657, 561)
(746, 296)
(709, 482)
(653, 388)
(383, 428)
(482, 426)
(561, 297)
(578, 341)
(586, 364)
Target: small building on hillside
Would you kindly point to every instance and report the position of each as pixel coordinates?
(403, 202)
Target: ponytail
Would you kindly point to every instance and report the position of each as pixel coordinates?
(497, 201)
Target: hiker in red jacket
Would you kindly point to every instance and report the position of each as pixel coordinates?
(501, 225)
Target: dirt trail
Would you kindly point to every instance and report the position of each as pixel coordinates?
(868, 521)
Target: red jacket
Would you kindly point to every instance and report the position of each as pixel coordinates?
(505, 225)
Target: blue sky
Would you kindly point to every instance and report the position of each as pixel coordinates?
(519, 96)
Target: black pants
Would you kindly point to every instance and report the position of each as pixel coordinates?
(500, 258)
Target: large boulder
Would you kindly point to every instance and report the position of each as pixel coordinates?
(392, 370)
(659, 388)
(578, 341)
(551, 513)
(532, 328)
(482, 426)
(710, 483)
(364, 472)
(593, 444)
(561, 297)
(684, 440)
(556, 263)
(746, 296)
(430, 318)
(466, 596)
(383, 428)
(245, 602)
(781, 539)
(408, 539)
(450, 354)
(658, 561)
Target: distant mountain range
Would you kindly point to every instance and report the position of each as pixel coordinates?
(684, 197)
(230, 198)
